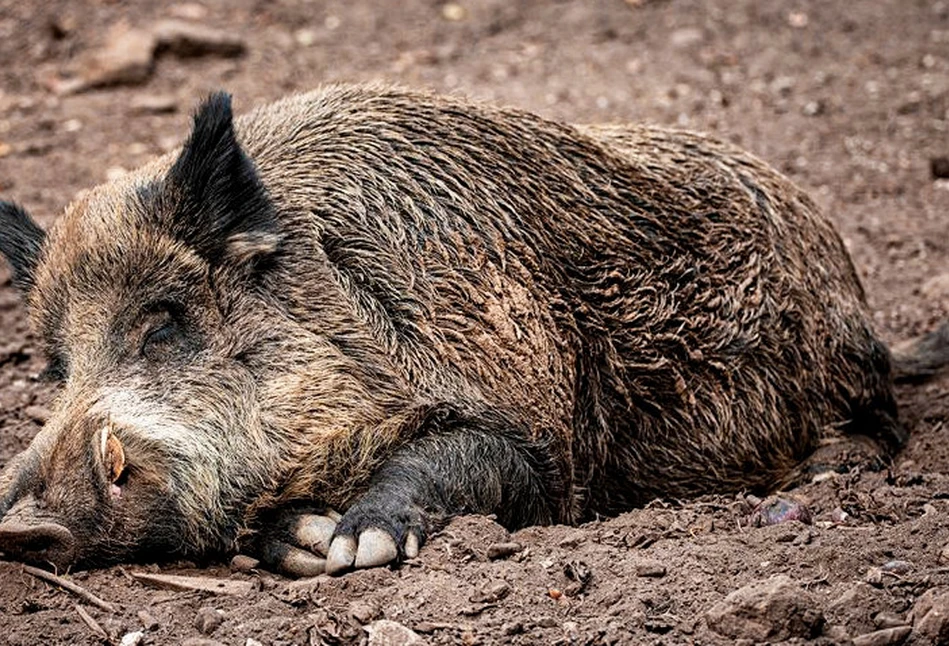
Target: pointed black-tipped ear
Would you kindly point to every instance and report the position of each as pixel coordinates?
(221, 207)
(21, 240)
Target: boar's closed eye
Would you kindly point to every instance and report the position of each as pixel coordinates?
(166, 341)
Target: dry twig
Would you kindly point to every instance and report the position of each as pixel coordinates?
(77, 590)
(94, 626)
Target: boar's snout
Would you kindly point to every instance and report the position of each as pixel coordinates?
(46, 543)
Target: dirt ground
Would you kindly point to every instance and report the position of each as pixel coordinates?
(851, 99)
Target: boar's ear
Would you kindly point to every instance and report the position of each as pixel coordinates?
(222, 208)
(20, 242)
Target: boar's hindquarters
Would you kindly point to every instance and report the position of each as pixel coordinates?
(457, 463)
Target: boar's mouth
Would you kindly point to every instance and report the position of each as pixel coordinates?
(42, 544)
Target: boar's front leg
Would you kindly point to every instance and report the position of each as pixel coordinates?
(455, 463)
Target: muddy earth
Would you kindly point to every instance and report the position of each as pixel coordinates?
(851, 100)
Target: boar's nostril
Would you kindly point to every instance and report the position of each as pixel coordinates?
(46, 543)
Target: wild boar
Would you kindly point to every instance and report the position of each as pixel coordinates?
(407, 307)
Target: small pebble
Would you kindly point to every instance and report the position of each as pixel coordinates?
(650, 569)
(774, 510)
(512, 628)
(897, 567)
(503, 550)
(132, 639)
(453, 12)
(874, 577)
(252, 642)
(554, 593)
(244, 563)
(305, 37)
(839, 516)
(208, 619)
(391, 633)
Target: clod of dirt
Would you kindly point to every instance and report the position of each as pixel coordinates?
(931, 617)
(391, 633)
(884, 637)
(200, 641)
(862, 608)
(650, 569)
(363, 612)
(775, 609)
(127, 58)
(503, 550)
(153, 104)
(939, 167)
(491, 593)
(776, 509)
(208, 619)
(188, 39)
(148, 620)
(686, 37)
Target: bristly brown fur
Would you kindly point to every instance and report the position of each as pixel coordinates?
(662, 312)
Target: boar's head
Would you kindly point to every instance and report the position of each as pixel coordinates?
(145, 296)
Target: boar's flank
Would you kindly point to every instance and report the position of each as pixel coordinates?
(408, 307)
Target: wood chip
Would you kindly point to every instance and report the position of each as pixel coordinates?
(202, 584)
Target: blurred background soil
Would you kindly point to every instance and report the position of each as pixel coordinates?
(850, 99)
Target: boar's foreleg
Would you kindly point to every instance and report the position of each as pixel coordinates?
(455, 464)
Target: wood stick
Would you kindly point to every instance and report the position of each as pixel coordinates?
(94, 626)
(77, 590)
(191, 583)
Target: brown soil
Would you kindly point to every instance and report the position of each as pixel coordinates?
(851, 99)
